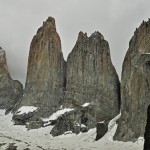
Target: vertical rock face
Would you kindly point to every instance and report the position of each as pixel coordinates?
(147, 131)
(92, 85)
(89, 84)
(10, 91)
(45, 80)
(135, 86)
(91, 77)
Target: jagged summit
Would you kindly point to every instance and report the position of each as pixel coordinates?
(144, 27)
(82, 36)
(49, 24)
(97, 34)
(51, 20)
(145, 23)
(96, 38)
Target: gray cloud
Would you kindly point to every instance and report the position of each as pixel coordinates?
(115, 19)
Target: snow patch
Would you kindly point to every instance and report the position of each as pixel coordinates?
(26, 110)
(38, 139)
(102, 121)
(112, 123)
(68, 132)
(76, 124)
(83, 126)
(146, 53)
(58, 113)
(86, 104)
(66, 135)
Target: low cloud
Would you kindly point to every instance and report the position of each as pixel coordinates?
(115, 19)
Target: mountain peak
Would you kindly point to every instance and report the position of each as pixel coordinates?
(48, 24)
(97, 34)
(51, 20)
(82, 35)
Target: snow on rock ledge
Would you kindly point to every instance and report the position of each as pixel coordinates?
(58, 113)
(113, 123)
(26, 110)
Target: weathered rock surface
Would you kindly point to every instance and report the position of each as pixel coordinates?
(45, 82)
(92, 84)
(147, 131)
(76, 121)
(91, 77)
(135, 86)
(66, 122)
(11, 91)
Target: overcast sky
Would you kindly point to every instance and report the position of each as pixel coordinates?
(115, 19)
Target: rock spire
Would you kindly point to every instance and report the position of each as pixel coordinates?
(135, 89)
(45, 82)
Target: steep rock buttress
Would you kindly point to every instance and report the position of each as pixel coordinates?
(135, 86)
